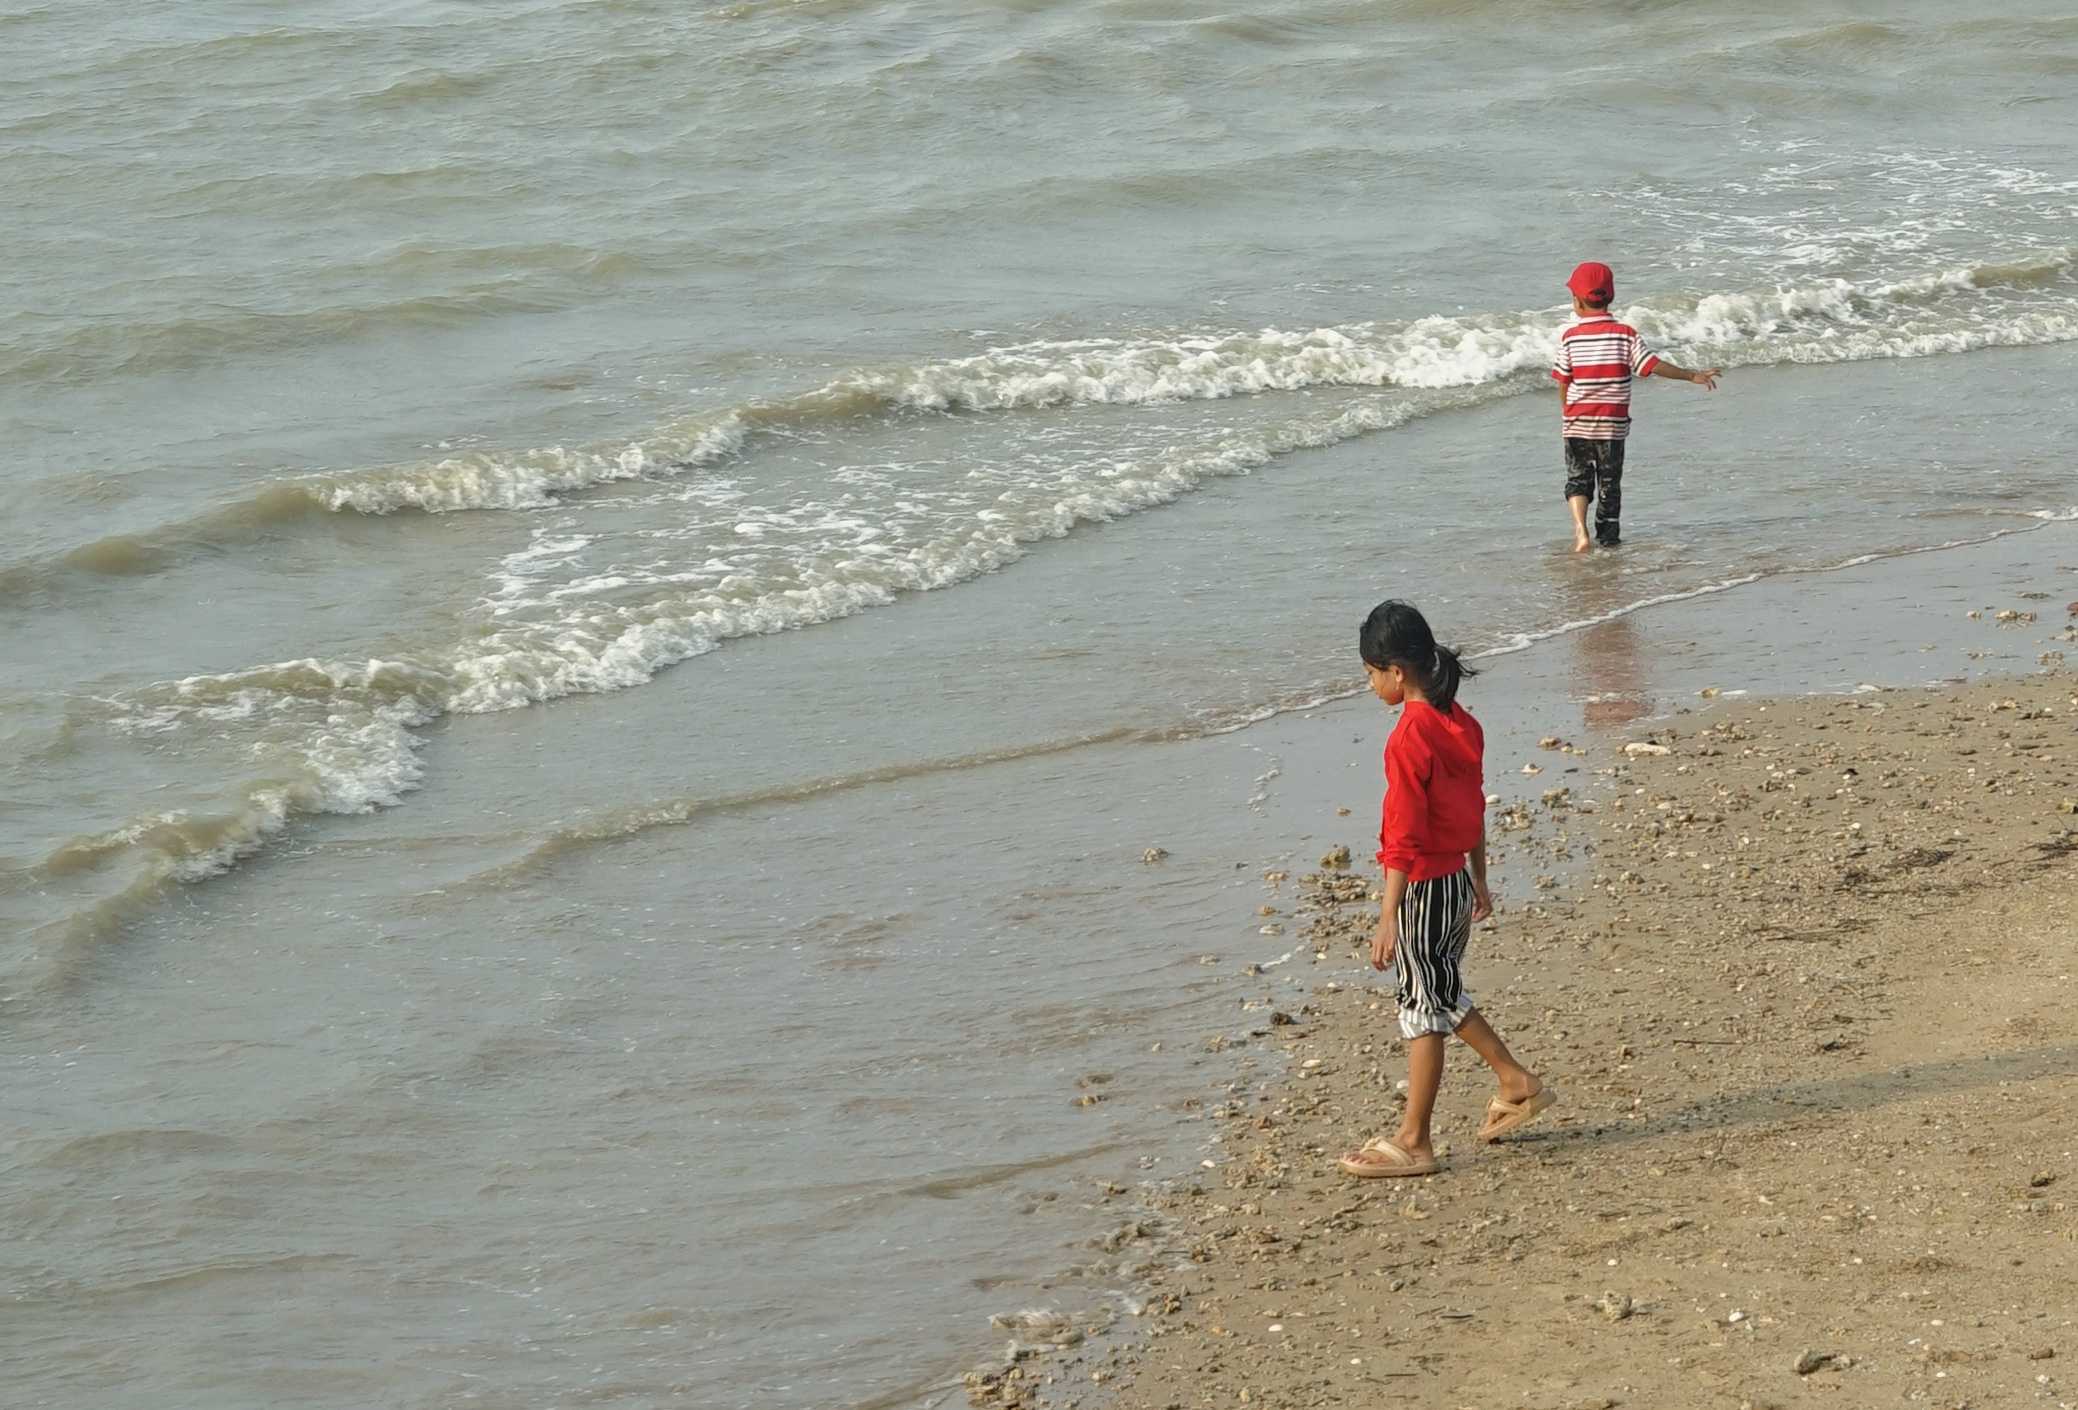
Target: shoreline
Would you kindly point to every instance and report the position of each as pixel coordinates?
(1800, 1121)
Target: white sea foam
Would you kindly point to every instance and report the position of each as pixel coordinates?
(1952, 310)
(527, 480)
(355, 761)
(561, 622)
(1523, 641)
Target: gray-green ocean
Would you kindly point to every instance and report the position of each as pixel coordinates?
(600, 598)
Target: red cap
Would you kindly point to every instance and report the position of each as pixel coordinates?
(1593, 282)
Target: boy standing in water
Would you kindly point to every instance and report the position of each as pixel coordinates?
(1432, 844)
(1596, 359)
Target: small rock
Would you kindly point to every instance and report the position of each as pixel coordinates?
(1153, 855)
(1639, 748)
(2041, 1181)
(1121, 1236)
(2042, 1353)
(1617, 1307)
(1336, 859)
(1280, 1019)
(1811, 1361)
(1034, 1321)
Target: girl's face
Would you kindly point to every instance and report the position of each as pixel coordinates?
(1388, 683)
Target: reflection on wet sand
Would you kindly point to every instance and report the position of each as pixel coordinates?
(1607, 673)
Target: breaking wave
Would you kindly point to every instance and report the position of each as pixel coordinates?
(344, 732)
(1958, 310)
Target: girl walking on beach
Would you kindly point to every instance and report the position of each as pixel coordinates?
(1434, 818)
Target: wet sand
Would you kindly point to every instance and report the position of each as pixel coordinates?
(1804, 982)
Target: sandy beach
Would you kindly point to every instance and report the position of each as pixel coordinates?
(1802, 973)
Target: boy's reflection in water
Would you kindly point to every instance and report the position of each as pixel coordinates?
(1608, 674)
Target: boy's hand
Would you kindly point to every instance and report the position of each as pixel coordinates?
(1706, 378)
(1385, 941)
(1482, 902)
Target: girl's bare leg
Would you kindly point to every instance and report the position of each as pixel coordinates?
(1517, 1081)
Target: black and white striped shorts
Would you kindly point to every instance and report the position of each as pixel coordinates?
(1435, 923)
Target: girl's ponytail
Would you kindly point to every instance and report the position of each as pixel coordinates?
(1395, 634)
(1442, 683)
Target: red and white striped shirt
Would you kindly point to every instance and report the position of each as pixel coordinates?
(1596, 360)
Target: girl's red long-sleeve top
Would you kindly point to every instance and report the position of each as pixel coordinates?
(1435, 791)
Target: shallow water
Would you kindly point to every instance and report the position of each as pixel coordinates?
(603, 598)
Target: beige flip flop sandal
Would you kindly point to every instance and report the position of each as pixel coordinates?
(1505, 1116)
(1396, 1162)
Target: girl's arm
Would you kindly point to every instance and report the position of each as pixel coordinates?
(1482, 899)
(1386, 940)
(1399, 834)
(1405, 820)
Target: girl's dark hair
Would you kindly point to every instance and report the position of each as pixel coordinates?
(1397, 635)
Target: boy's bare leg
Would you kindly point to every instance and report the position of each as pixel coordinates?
(1518, 1083)
(1578, 504)
(1424, 1076)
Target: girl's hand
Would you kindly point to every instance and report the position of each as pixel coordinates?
(1706, 378)
(1385, 941)
(1482, 902)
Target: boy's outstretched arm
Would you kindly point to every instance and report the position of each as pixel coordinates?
(1706, 379)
